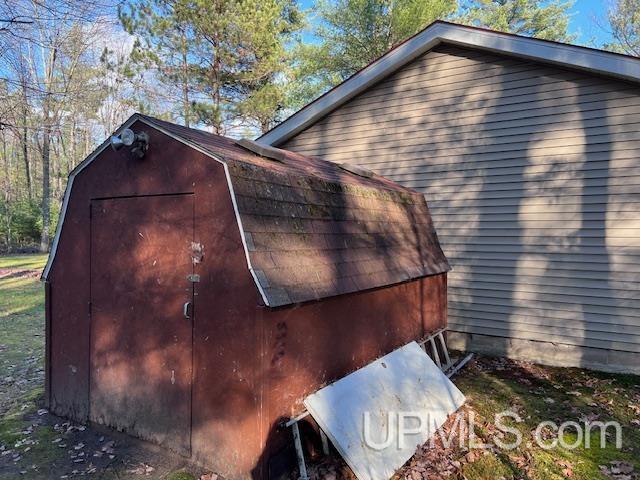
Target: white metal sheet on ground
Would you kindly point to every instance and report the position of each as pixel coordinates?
(402, 389)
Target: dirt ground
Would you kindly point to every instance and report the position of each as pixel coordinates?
(48, 447)
(35, 444)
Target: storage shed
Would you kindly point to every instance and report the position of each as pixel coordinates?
(197, 294)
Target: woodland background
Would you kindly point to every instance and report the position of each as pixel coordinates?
(71, 71)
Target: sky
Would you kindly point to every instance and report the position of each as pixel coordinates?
(588, 22)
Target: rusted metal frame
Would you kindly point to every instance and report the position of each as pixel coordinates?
(293, 422)
(325, 442)
(434, 351)
(296, 419)
(433, 335)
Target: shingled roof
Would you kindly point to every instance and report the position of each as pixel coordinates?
(314, 229)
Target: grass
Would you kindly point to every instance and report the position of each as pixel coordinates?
(22, 357)
(537, 394)
(22, 327)
(32, 262)
(180, 476)
(490, 385)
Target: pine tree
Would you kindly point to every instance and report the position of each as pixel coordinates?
(224, 59)
(241, 54)
(354, 33)
(624, 17)
(165, 41)
(547, 19)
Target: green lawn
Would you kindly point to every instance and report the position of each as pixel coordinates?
(22, 330)
(23, 261)
(491, 385)
(539, 393)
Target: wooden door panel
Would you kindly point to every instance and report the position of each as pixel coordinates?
(141, 343)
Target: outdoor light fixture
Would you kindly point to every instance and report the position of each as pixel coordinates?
(139, 142)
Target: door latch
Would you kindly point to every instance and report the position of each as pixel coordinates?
(186, 310)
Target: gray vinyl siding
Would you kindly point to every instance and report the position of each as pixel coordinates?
(533, 179)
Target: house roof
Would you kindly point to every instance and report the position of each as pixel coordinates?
(312, 229)
(591, 60)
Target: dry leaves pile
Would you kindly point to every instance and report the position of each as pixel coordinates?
(619, 471)
(433, 462)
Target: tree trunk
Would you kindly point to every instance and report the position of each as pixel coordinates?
(185, 82)
(25, 141)
(46, 144)
(7, 194)
(46, 200)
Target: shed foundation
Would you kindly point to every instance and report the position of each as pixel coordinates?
(547, 353)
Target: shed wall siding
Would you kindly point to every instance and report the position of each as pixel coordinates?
(533, 179)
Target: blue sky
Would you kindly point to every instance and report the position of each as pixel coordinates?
(589, 22)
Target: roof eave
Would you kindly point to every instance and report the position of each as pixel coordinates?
(564, 55)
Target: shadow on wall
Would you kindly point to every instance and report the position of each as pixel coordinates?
(521, 165)
(554, 223)
(141, 356)
(557, 211)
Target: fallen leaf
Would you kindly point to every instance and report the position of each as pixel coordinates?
(209, 476)
(622, 467)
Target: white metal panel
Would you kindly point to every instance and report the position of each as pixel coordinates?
(405, 381)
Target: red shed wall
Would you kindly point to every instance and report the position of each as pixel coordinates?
(308, 346)
(252, 365)
(300, 349)
(224, 338)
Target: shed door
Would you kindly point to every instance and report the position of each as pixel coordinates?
(141, 342)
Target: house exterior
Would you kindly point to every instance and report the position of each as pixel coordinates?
(195, 296)
(527, 152)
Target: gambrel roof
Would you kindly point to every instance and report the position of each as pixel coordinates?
(591, 60)
(312, 229)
